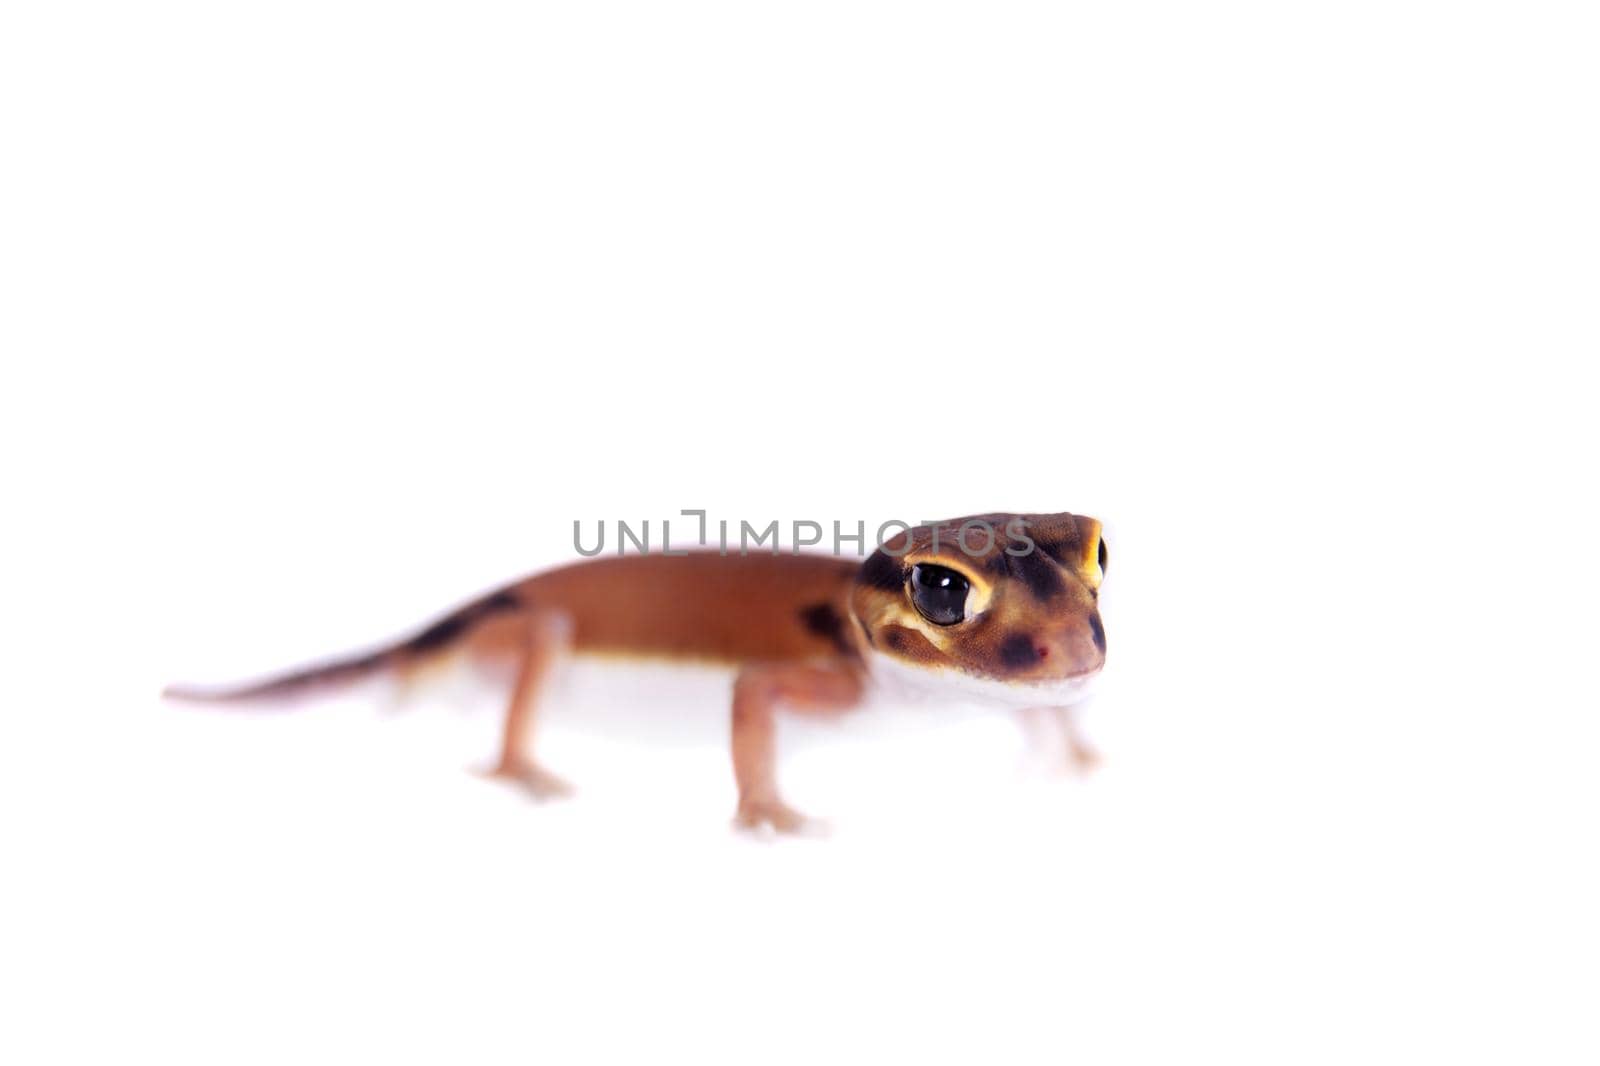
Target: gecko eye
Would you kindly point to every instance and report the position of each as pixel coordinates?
(1102, 557)
(939, 594)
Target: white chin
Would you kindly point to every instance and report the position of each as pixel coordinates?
(898, 679)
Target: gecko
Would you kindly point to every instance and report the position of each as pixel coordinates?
(1011, 618)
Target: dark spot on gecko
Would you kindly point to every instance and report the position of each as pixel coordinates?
(439, 634)
(1017, 651)
(1039, 574)
(449, 628)
(822, 620)
(883, 571)
(1097, 631)
(504, 600)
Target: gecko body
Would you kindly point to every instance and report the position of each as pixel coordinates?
(1009, 618)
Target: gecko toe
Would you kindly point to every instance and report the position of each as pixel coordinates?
(533, 780)
(758, 816)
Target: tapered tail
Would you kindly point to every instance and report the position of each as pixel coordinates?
(436, 637)
(297, 683)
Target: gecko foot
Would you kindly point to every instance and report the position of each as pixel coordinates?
(756, 815)
(1082, 759)
(533, 779)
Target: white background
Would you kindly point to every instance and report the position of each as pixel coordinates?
(320, 317)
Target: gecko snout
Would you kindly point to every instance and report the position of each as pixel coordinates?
(1070, 649)
(1079, 647)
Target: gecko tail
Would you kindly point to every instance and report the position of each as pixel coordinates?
(437, 637)
(285, 686)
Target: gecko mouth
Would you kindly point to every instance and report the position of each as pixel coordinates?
(955, 683)
(1081, 675)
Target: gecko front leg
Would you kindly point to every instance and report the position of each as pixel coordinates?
(1082, 754)
(758, 692)
(1058, 738)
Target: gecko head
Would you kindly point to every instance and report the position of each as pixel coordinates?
(999, 606)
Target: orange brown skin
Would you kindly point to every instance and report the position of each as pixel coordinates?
(803, 632)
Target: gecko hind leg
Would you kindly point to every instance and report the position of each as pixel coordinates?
(548, 638)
